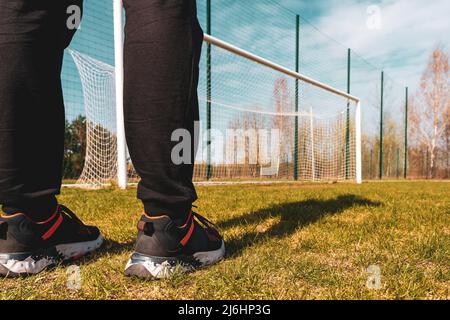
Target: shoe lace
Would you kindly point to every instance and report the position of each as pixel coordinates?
(207, 223)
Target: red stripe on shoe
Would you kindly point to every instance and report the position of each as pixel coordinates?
(188, 235)
(187, 221)
(53, 228)
(51, 218)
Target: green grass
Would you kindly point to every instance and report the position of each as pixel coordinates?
(284, 241)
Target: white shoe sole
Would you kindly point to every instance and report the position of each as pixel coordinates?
(162, 268)
(32, 263)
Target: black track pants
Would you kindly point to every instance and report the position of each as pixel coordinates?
(162, 51)
(163, 42)
(33, 36)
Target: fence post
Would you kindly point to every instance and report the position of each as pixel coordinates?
(358, 146)
(397, 173)
(313, 158)
(381, 126)
(120, 122)
(405, 173)
(297, 69)
(208, 93)
(370, 167)
(347, 128)
(424, 163)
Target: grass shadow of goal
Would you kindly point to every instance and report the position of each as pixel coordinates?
(291, 217)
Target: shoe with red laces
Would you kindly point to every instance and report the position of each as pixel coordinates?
(28, 247)
(165, 245)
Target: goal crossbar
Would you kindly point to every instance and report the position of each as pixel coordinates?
(250, 56)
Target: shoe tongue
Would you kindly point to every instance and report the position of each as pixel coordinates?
(10, 213)
(158, 222)
(165, 219)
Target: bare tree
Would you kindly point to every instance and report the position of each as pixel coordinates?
(284, 103)
(247, 122)
(430, 105)
(447, 144)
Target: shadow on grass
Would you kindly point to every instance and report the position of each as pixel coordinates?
(114, 247)
(292, 216)
(109, 247)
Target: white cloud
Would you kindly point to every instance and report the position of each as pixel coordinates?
(409, 31)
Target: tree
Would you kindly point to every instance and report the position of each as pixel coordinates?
(244, 124)
(447, 145)
(430, 107)
(75, 147)
(283, 104)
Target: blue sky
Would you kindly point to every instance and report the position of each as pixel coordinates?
(400, 44)
(408, 31)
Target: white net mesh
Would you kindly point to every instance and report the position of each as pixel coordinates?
(255, 144)
(323, 149)
(98, 83)
(253, 125)
(254, 121)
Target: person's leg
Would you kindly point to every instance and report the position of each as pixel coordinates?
(32, 40)
(162, 51)
(163, 41)
(36, 232)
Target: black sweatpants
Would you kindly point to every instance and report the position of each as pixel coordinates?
(162, 50)
(163, 42)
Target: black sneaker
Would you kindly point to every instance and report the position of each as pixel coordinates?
(28, 247)
(164, 246)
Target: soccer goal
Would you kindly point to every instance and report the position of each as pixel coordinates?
(259, 120)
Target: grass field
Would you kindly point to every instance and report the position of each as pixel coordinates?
(284, 241)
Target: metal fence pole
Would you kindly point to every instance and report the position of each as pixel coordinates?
(297, 69)
(347, 129)
(381, 126)
(405, 173)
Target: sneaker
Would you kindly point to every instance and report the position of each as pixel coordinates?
(28, 247)
(163, 246)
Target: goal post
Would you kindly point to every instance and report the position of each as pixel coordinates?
(358, 138)
(119, 83)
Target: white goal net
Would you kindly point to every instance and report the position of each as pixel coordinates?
(98, 85)
(268, 122)
(263, 122)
